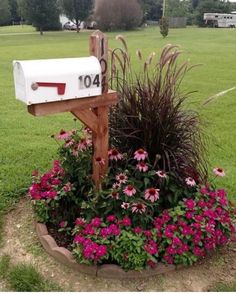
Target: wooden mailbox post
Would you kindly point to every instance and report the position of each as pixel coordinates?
(92, 111)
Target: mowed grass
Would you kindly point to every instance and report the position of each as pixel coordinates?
(25, 142)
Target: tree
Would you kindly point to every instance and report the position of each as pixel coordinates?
(164, 26)
(177, 8)
(5, 15)
(114, 14)
(77, 10)
(152, 9)
(44, 14)
(14, 10)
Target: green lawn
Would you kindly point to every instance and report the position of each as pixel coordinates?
(25, 142)
(17, 29)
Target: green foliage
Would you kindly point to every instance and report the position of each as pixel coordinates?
(118, 15)
(128, 251)
(14, 10)
(43, 14)
(25, 278)
(5, 15)
(77, 10)
(4, 266)
(152, 9)
(164, 26)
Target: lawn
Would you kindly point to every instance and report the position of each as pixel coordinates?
(25, 140)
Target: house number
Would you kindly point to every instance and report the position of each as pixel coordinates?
(89, 81)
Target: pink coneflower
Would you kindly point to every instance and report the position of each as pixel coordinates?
(115, 195)
(125, 205)
(87, 131)
(129, 190)
(142, 166)
(138, 208)
(140, 154)
(116, 186)
(121, 178)
(84, 144)
(219, 172)
(151, 194)
(190, 182)
(114, 154)
(161, 174)
(63, 135)
(100, 161)
(69, 143)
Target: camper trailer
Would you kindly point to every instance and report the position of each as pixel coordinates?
(220, 20)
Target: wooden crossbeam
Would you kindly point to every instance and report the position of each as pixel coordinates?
(106, 99)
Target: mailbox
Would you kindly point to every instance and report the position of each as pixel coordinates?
(41, 81)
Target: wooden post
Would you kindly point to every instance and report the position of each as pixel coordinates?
(98, 46)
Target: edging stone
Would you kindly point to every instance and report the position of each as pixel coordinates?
(113, 271)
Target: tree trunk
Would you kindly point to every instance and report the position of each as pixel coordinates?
(41, 31)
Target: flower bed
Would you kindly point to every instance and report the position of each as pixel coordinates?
(126, 222)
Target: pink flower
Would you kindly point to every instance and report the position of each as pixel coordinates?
(138, 230)
(169, 259)
(138, 208)
(151, 248)
(168, 233)
(126, 221)
(125, 205)
(190, 182)
(121, 178)
(116, 186)
(142, 166)
(140, 154)
(198, 251)
(67, 188)
(114, 154)
(84, 144)
(96, 222)
(219, 172)
(100, 161)
(62, 224)
(204, 190)
(69, 143)
(79, 239)
(129, 190)
(115, 195)
(152, 194)
(111, 218)
(161, 174)
(176, 241)
(190, 204)
(63, 135)
(80, 221)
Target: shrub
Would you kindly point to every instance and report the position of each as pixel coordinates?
(164, 26)
(151, 113)
(114, 15)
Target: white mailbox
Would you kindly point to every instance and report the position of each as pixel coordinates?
(40, 81)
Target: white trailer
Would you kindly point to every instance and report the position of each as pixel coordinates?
(220, 20)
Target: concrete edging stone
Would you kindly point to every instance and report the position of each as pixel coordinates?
(113, 271)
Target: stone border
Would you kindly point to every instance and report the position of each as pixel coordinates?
(64, 256)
